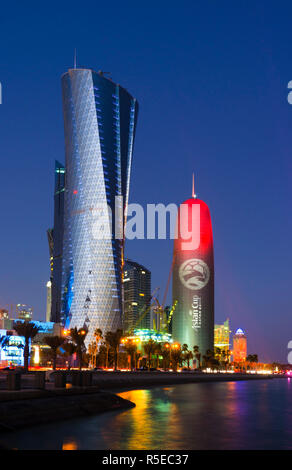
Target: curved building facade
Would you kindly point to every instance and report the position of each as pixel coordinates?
(99, 120)
(193, 277)
(239, 346)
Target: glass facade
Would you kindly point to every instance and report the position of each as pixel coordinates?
(24, 312)
(137, 296)
(56, 243)
(99, 120)
(221, 337)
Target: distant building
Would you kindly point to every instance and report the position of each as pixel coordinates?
(4, 314)
(6, 324)
(239, 346)
(46, 329)
(49, 301)
(23, 312)
(145, 335)
(137, 296)
(221, 337)
(55, 239)
(11, 352)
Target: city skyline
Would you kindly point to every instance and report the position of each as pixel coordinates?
(219, 108)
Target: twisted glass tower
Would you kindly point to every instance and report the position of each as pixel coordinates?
(99, 120)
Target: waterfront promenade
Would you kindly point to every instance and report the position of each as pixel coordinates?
(112, 380)
(129, 380)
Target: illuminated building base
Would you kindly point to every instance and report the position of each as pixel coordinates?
(145, 335)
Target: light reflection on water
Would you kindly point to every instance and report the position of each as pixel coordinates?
(231, 415)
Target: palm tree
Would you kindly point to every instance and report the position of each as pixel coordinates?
(138, 357)
(78, 337)
(197, 355)
(92, 353)
(107, 346)
(70, 349)
(176, 358)
(209, 358)
(184, 347)
(158, 352)
(131, 349)
(223, 358)
(98, 337)
(28, 330)
(113, 340)
(54, 342)
(149, 349)
(252, 358)
(188, 355)
(101, 357)
(166, 357)
(185, 354)
(218, 354)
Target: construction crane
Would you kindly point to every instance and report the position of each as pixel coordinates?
(171, 312)
(161, 323)
(168, 280)
(143, 312)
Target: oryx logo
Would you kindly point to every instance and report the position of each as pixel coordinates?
(194, 274)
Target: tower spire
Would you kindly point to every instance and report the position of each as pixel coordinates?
(193, 188)
(75, 58)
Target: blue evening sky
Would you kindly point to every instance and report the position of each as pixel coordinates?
(211, 80)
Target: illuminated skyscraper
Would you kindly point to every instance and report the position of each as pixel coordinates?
(193, 277)
(239, 346)
(49, 301)
(137, 296)
(100, 120)
(55, 238)
(221, 338)
(23, 312)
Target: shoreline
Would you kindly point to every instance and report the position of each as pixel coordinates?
(128, 380)
(30, 407)
(34, 407)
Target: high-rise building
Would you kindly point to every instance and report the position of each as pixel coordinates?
(55, 239)
(137, 296)
(193, 276)
(221, 338)
(23, 312)
(239, 346)
(99, 120)
(49, 301)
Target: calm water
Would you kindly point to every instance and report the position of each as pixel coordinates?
(234, 415)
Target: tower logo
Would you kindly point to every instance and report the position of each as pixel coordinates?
(194, 274)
